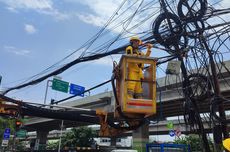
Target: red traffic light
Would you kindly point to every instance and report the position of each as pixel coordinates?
(18, 123)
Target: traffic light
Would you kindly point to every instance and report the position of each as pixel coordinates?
(18, 124)
(52, 101)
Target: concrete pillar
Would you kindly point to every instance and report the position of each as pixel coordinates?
(112, 104)
(41, 140)
(113, 141)
(141, 138)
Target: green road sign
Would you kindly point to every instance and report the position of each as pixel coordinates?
(60, 85)
(21, 134)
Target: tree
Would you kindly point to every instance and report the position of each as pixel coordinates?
(6, 123)
(10, 123)
(52, 145)
(81, 137)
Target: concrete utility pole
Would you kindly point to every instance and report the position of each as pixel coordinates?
(217, 93)
(187, 91)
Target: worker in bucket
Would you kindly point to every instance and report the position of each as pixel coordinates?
(135, 70)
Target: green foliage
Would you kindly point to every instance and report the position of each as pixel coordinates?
(6, 123)
(10, 123)
(81, 137)
(19, 145)
(194, 141)
(52, 145)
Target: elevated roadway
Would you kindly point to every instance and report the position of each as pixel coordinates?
(159, 128)
(169, 103)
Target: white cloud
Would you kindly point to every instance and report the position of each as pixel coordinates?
(97, 14)
(92, 19)
(99, 7)
(29, 4)
(225, 3)
(41, 6)
(30, 29)
(16, 51)
(101, 11)
(102, 8)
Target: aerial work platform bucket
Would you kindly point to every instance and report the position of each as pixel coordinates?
(147, 104)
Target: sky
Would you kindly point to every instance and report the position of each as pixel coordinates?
(36, 34)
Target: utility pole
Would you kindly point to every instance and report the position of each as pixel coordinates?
(217, 93)
(187, 91)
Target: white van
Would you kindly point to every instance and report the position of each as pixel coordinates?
(124, 150)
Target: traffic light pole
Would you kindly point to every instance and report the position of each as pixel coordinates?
(59, 144)
(47, 86)
(14, 141)
(0, 79)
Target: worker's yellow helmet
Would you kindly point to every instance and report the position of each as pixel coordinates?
(226, 144)
(135, 38)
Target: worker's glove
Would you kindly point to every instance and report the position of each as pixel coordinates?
(149, 46)
(140, 65)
